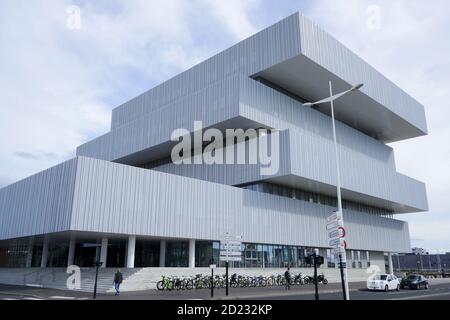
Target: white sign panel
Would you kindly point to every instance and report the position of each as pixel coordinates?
(223, 258)
(230, 253)
(332, 217)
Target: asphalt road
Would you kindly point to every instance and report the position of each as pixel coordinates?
(435, 292)
(439, 290)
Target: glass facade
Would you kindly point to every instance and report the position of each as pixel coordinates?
(272, 256)
(147, 253)
(14, 254)
(205, 251)
(297, 194)
(57, 254)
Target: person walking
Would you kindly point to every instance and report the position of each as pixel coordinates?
(118, 278)
(287, 275)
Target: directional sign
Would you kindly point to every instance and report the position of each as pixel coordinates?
(234, 258)
(337, 242)
(231, 246)
(334, 234)
(332, 225)
(332, 217)
(231, 253)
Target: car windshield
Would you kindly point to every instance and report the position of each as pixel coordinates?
(412, 277)
(381, 277)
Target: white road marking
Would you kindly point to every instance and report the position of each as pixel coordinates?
(423, 296)
(62, 297)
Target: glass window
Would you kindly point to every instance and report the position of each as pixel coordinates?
(205, 251)
(177, 254)
(147, 253)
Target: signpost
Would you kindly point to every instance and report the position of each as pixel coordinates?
(230, 250)
(212, 266)
(316, 260)
(336, 237)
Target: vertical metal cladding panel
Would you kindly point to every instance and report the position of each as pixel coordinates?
(180, 207)
(322, 48)
(213, 104)
(279, 42)
(39, 204)
(367, 165)
(235, 174)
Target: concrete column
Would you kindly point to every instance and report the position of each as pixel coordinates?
(104, 252)
(391, 264)
(44, 253)
(131, 251)
(162, 254)
(71, 255)
(29, 252)
(192, 253)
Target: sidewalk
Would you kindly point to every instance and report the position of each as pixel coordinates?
(234, 293)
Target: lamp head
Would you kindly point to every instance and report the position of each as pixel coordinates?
(357, 87)
(308, 104)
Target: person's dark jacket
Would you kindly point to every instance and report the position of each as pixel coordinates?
(118, 277)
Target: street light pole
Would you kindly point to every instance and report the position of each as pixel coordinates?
(342, 254)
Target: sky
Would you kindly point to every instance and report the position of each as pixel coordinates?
(64, 64)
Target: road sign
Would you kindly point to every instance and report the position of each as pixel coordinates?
(231, 246)
(332, 225)
(231, 253)
(230, 237)
(212, 266)
(332, 217)
(334, 233)
(337, 242)
(233, 258)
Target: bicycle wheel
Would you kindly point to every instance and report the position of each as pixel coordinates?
(160, 285)
(189, 284)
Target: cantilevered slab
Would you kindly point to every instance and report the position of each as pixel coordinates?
(381, 109)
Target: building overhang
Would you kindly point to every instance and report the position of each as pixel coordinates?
(308, 80)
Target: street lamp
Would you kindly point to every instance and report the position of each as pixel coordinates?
(331, 99)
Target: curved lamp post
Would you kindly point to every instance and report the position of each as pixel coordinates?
(331, 100)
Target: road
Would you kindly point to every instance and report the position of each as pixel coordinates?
(439, 290)
(435, 292)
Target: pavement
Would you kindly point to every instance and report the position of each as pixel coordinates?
(439, 290)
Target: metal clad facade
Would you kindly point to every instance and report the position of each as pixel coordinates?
(322, 48)
(137, 201)
(38, 204)
(277, 43)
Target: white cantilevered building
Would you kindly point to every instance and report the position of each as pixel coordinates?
(123, 201)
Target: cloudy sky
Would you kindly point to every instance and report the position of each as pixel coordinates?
(58, 82)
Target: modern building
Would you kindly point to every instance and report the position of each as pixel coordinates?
(123, 201)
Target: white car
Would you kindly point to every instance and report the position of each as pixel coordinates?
(383, 282)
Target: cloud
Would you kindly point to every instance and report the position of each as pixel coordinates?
(234, 14)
